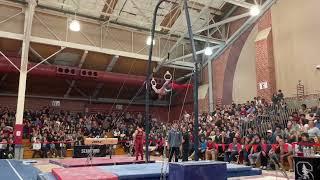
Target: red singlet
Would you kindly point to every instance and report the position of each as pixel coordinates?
(139, 137)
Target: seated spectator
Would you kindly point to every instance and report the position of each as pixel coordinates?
(211, 152)
(280, 95)
(36, 148)
(255, 151)
(317, 120)
(313, 131)
(271, 138)
(52, 145)
(303, 120)
(246, 149)
(265, 148)
(3, 148)
(116, 133)
(278, 132)
(201, 150)
(274, 99)
(233, 150)
(280, 152)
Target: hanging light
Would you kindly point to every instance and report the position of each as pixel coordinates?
(148, 42)
(74, 25)
(255, 10)
(208, 51)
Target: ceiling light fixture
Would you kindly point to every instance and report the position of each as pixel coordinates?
(208, 51)
(255, 10)
(148, 42)
(74, 25)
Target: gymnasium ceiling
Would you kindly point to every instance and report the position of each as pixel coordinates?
(139, 13)
(134, 15)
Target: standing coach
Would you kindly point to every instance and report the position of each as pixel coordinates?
(174, 140)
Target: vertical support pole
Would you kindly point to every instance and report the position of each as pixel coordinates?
(101, 36)
(148, 79)
(67, 29)
(18, 129)
(183, 50)
(159, 48)
(210, 86)
(195, 86)
(132, 49)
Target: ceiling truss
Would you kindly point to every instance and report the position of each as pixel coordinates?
(173, 13)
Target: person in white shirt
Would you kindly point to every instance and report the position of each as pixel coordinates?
(313, 131)
(36, 147)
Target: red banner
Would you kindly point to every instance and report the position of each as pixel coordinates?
(18, 131)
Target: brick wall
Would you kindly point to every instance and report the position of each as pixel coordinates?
(204, 104)
(225, 65)
(224, 69)
(265, 67)
(38, 103)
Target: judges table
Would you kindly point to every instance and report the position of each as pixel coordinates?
(307, 167)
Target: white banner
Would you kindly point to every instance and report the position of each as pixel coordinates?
(55, 103)
(263, 85)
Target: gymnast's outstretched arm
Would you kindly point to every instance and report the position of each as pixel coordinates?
(165, 84)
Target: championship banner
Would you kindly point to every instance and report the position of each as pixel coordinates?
(84, 151)
(307, 168)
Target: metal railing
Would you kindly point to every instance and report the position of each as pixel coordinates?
(261, 124)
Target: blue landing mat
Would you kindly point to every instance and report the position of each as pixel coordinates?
(252, 172)
(204, 170)
(237, 168)
(153, 171)
(24, 170)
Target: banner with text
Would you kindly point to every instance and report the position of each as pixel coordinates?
(84, 151)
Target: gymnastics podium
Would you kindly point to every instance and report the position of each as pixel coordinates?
(198, 170)
(100, 142)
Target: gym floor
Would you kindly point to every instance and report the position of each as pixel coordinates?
(44, 166)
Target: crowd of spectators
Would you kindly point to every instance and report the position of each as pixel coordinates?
(221, 136)
(220, 132)
(7, 119)
(52, 133)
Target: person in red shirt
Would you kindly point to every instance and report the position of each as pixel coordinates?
(233, 150)
(211, 152)
(138, 137)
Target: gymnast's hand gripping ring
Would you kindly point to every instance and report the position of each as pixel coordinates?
(167, 76)
(168, 90)
(153, 82)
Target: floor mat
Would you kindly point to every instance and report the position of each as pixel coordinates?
(98, 161)
(83, 173)
(17, 170)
